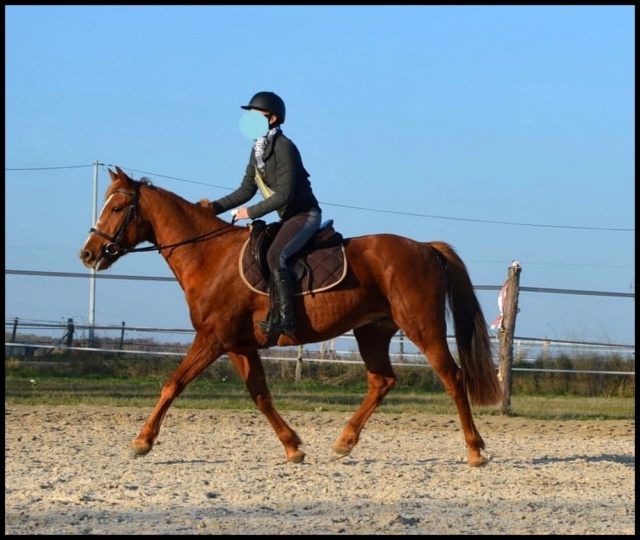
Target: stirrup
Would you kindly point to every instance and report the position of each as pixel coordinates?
(277, 328)
(271, 325)
(266, 326)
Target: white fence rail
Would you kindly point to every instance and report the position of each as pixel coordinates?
(342, 349)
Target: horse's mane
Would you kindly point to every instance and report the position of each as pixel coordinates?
(146, 181)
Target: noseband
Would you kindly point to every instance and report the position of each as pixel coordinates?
(113, 248)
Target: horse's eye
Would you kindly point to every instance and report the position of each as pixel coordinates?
(116, 209)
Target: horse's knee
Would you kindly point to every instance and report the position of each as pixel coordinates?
(171, 390)
(380, 383)
(263, 402)
(390, 383)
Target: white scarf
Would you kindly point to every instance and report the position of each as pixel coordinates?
(261, 144)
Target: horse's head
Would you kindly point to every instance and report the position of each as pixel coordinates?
(118, 227)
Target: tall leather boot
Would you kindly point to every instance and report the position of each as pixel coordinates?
(281, 316)
(273, 316)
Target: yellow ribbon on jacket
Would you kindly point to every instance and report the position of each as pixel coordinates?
(264, 188)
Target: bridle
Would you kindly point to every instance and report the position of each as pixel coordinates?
(114, 248)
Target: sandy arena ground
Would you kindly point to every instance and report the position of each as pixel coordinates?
(69, 470)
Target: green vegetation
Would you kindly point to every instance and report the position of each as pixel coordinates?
(117, 380)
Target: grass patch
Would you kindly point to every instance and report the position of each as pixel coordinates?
(208, 393)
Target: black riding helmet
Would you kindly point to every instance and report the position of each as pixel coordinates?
(269, 102)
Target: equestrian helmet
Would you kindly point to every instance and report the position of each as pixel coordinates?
(269, 102)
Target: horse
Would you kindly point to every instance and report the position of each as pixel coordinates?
(391, 283)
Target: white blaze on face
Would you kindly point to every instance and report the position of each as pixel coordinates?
(97, 225)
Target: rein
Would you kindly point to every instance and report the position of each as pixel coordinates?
(113, 248)
(199, 237)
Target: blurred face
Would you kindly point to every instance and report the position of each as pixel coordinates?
(254, 124)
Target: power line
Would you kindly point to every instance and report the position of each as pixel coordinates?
(481, 220)
(351, 207)
(51, 168)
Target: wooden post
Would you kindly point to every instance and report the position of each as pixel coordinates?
(506, 332)
(122, 336)
(299, 364)
(15, 330)
(70, 331)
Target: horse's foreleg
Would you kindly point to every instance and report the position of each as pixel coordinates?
(373, 343)
(250, 368)
(199, 356)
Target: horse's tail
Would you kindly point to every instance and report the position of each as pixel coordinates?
(471, 331)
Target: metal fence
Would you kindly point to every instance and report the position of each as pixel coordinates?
(138, 341)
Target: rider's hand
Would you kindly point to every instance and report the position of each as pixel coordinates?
(241, 213)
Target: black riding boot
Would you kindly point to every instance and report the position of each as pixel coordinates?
(281, 319)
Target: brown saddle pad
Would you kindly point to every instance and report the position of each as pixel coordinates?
(314, 270)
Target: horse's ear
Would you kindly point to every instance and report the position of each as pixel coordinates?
(119, 174)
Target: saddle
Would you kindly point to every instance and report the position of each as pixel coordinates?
(319, 266)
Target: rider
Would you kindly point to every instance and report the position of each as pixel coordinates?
(275, 166)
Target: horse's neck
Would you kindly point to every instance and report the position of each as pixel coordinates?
(173, 218)
(184, 232)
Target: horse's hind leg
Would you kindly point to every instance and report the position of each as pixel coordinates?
(250, 368)
(373, 343)
(437, 351)
(201, 354)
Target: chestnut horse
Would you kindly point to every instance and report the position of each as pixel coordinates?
(391, 283)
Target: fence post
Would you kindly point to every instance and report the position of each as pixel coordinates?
(122, 337)
(545, 349)
(70, 331)
(506, 333)
(15, 330)
(299, 364)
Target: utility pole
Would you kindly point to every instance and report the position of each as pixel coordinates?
(92, 279)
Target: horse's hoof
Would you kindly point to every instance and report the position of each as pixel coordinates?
(339, 453)
(298, 457)
(478, 461)
(140, 448)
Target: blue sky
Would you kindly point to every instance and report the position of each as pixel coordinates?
(507, 131)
